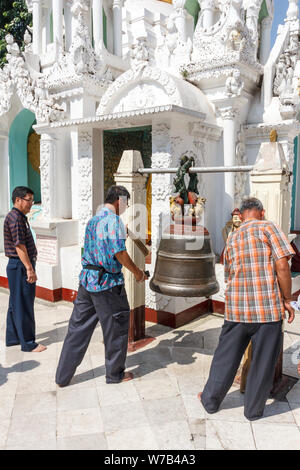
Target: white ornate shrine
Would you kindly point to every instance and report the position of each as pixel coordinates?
(199, 75)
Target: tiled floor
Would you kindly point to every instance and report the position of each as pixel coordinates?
(158, 410)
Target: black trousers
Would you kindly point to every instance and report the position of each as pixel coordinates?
(234, 339)
(20, 323)
(111, 308)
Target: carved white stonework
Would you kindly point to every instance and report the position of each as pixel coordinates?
(226, 45)
(228, 37)
(286, 84)
(252, 8)
(81, 61)
(32, 92)
(140, 53)
(161, 160)
(47, 156)
(161, 190)
(240, 178)
(228, 113)
(200, 129)
(173, 47)
(234, 84)
(85, 178)
(157, 84)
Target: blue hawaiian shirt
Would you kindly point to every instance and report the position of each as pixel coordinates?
(105, 236)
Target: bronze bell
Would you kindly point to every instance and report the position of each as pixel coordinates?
(182, 270)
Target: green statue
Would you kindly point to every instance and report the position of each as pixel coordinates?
(193, 184)
(179, 183)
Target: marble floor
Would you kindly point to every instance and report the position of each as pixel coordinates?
(159, 410)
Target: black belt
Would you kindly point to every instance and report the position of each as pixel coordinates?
(17, 257)
(100, 269)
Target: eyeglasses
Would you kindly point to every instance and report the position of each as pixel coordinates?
(28, 200)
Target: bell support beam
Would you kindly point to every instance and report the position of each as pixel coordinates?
(212, 169)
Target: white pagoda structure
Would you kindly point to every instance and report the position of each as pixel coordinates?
(165, 77)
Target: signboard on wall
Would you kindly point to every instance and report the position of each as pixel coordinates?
(47, 248)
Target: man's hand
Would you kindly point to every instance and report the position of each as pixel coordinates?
(140, 276)
(125, 260)
(290, 310)
(31, 275)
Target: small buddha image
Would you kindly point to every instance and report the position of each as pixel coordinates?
(232, 225)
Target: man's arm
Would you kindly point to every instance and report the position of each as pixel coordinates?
(285, 283)
(126, 261)
(23, 255)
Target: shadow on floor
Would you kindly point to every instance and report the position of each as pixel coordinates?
(181, 349)
(20, 367)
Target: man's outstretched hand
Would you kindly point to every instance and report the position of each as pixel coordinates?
(290, 310)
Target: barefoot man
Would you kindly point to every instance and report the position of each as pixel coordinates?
(257, 295)
(20, 248)
(101, 295)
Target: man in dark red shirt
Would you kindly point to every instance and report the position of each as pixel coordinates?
(20, 248)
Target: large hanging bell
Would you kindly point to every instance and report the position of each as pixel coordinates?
(185, 264)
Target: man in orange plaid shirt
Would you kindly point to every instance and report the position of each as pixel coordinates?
(257, 294)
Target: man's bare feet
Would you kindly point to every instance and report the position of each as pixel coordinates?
(127, 376)
(199, 396)
(39, 348)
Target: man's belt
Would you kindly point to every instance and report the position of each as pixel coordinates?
(100, 269)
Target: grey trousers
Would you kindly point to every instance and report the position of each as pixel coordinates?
(234, 339)
(111, 308)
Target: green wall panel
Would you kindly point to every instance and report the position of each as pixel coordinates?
(20, 174)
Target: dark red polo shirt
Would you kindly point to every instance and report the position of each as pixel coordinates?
(17, 232)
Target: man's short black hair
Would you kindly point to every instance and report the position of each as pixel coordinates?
(250, 203)
(20, 191)
(115, 192)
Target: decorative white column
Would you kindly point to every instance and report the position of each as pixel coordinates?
(265, 40)
(117, 27)
(84, 183)
(179, 17)
(293, 10)
(68, 24)
(57, 6)
(208, 9)
(37, 27)
(161, 183)
(47, 164)
(162, 152)
(229, 116)
(97, 23)
(269, 182)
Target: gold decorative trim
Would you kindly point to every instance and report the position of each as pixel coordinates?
(33, 151)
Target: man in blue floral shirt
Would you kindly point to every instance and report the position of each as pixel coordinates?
(101, 294)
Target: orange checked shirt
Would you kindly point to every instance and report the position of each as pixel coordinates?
(252, 293)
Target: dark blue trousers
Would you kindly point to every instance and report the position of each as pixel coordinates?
(266, 344)
(20, 323)
(111, 309)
